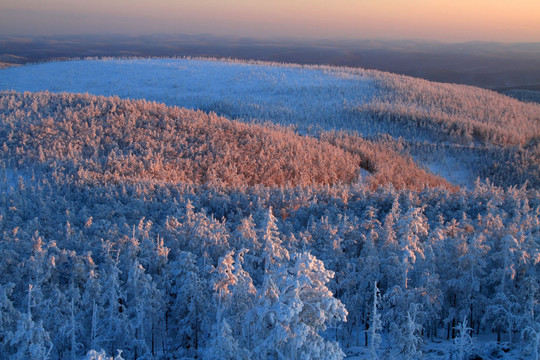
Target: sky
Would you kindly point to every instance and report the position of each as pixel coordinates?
(443, 20)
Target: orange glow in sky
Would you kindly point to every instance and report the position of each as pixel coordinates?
(446, 20)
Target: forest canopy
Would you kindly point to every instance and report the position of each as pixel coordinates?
(103, 139)
(163, 232)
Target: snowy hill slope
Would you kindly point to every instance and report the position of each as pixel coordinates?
(460, 132)
(286, 95)
(168, 233)
(102, 140)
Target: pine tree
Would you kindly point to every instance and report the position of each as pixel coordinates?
(72, 331)
(243, 299)
(223, 344)
(8, 319)
(114, 329)
(412, 227)
(273, 252)
(531, 334)
(190, 305)
(139, 294)
(91, 297)
(294, 307)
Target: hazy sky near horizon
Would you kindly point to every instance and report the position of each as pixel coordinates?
(444, 20)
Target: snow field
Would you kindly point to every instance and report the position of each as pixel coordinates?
(288, 95)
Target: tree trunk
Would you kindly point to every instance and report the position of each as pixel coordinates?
(366, 327)
(196, 332)
(153, 341)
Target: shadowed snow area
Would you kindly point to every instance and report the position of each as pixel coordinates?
(284, 94)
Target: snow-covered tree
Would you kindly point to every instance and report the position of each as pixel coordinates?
(272, 251)
(294, 308)
(407, 337)
(242, 301)
(30, 339)
(462, 343)
(8, 317)
(531, 334)
(187, 314)
(222, 344)
(72, 330)
(140, 294)
(375, 324)
(412, 227)
(102, 355)
(114, 331)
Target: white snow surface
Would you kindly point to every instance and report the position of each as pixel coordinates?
(302, 96)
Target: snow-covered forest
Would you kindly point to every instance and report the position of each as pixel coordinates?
(157, 232)
(459, 132)
(97, 139)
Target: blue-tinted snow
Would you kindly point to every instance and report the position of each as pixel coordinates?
(289, 95)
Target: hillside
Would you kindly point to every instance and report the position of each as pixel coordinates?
(111, 140)
(92, 139)
(148, 230)
(488, 135)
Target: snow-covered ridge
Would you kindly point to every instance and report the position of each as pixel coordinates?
(301, 95)
(286, 94)
(488, 135)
